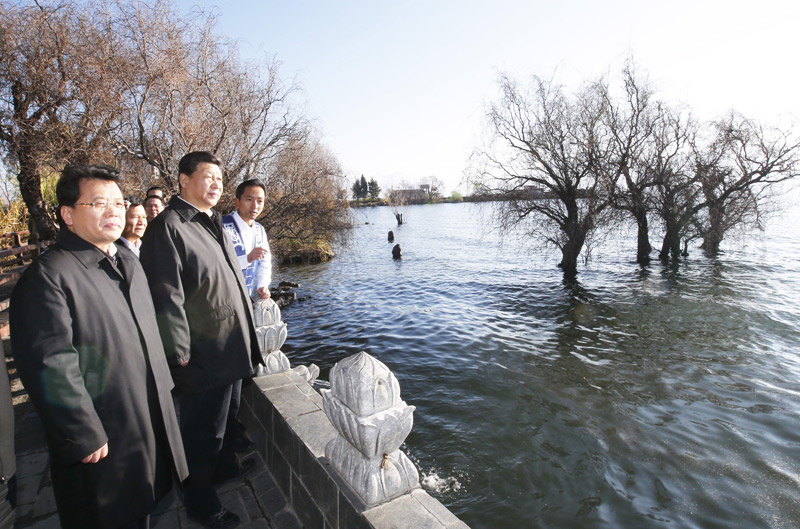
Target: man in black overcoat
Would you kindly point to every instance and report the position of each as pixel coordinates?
(88, 351)
(206, 323)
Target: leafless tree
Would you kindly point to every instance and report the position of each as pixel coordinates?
(50, 112)
(399, 197)
(557, 163)
(135, 84)
(185, 88)
(544, 157)
(435, 186)
(307, 205)
(666, 162)
(736, 172)
(631, 121)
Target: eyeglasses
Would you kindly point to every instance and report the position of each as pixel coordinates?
(102, 205)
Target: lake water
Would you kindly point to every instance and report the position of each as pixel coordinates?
(664, 396)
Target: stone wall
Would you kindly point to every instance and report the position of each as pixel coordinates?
(285, 418)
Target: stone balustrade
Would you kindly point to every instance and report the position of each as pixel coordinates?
(364, 406)
(336, 456)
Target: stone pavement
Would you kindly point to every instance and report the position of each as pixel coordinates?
(257, 499)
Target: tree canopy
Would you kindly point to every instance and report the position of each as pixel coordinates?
(138, 85)
(564, 164)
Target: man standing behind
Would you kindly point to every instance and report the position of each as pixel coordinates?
(135, 224)
(206, 323)
(249, 238)
(87, 347)
(153, 205)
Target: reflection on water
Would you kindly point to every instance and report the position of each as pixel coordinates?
(658, 396)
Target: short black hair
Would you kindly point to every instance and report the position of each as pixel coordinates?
(68, 188)
(240, 189)
(132, 201)
(153, 188)
(189, 162)
(163, 202)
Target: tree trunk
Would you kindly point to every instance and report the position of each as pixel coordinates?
(672, 242)
(572, 250)
(643, 247)
(30, 188)
(713, 237)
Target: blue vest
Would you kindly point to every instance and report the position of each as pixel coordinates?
(230, 226)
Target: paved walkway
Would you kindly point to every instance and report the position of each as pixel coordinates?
(257, 499)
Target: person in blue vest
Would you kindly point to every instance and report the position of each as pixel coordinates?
(250, 242)
(249, 238)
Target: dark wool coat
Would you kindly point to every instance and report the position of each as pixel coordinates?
(7, 458)
(8, 462)
(204, 313)
(88, 351)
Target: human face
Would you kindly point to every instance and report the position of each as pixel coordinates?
(135, 223)
(251, 204)
(152, 207)
(203, 187)
(99, 228)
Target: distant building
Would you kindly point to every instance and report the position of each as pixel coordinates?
(420, 195)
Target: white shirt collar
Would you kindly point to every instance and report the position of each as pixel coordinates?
(130, 244)
(241, 222)
(208, 212)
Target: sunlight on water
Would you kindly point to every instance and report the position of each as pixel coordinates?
(641, 397)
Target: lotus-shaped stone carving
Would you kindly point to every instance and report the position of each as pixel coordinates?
(266, 312)
(271, 337)
(364, 384)
(275, 362)
(309, 373)
(373, 435)
(373, 480)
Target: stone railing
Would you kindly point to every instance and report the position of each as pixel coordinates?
(336, 456)
(371, 422)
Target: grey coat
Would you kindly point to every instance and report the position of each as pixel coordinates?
(204, 313)
(87, 347)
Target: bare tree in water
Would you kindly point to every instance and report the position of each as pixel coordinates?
(398, 200)
(632, 121)
(556, 163)
(736, 173)
(667, 162)
(712, 179)
(545, 157)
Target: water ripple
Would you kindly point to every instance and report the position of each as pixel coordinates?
(635, 396)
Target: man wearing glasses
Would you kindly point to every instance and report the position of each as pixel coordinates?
(206, 323)
(86, 343)
(153, 205)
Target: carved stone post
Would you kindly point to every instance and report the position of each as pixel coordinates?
(364, 406)
(272, 333)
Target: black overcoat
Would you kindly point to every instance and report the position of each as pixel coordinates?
(8, 462)
(204, 313)
(89, 354)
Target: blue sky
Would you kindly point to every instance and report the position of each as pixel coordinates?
(399, 89)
